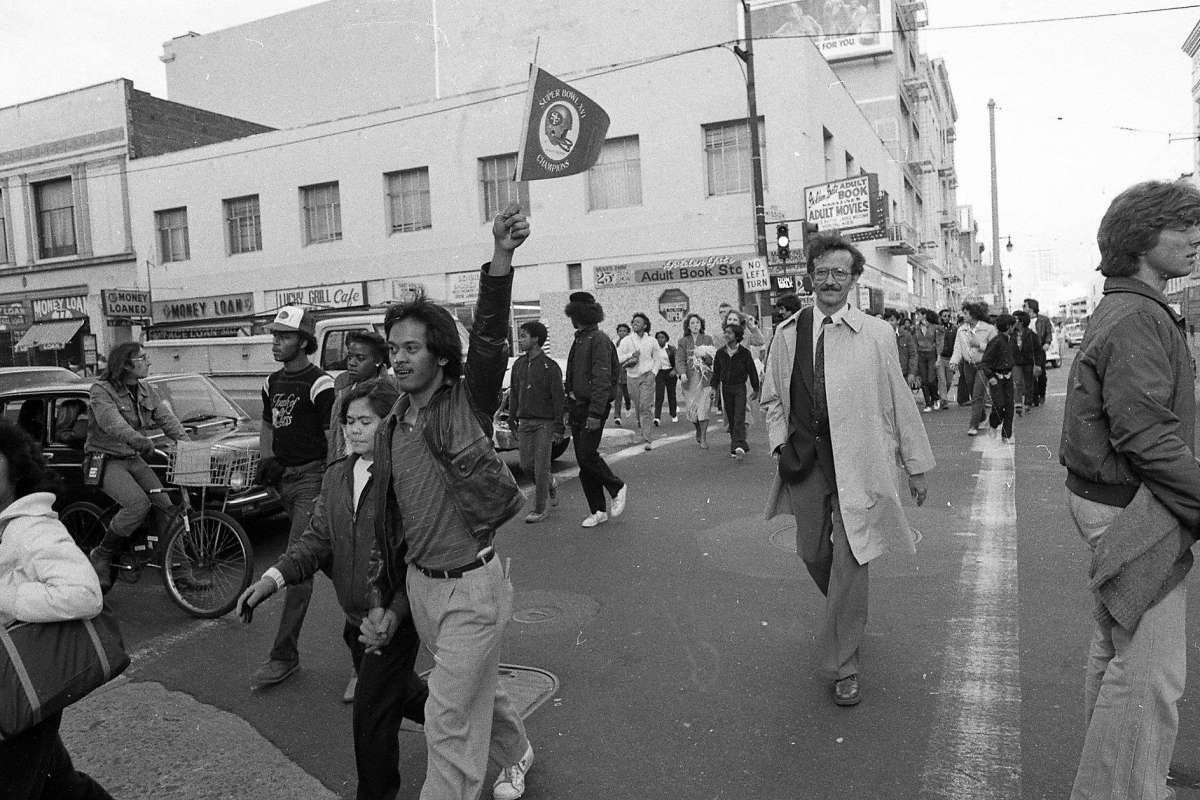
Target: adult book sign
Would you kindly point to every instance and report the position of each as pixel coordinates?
(563, 129)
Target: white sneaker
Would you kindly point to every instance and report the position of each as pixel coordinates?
(674, 419)
(592, 520)
(972, 431)
(657, 422)
(926, 409)
(739, 453)
(617, 506)
(351, 689)
(510, 783)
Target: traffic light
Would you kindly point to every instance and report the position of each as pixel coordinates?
(782, 242)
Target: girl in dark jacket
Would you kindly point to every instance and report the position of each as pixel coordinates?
(338, 542)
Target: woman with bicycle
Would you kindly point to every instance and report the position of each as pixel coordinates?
(124, 408)
(338, 541)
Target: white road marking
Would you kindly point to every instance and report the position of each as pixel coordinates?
(628, 452)
(975, 750)
(159, 646)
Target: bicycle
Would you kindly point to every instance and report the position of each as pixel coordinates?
(204, 555)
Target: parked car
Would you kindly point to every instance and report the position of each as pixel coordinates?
(54, 411)
(1073, 334)
(503, 437)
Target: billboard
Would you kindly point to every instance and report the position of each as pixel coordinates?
(844, 204)
(840, 29)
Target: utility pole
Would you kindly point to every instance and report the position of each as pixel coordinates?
(746, 54)
(997, 272)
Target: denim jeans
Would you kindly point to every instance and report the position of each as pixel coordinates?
(298, 489)
(1132, 683)
(535, 439)
(945, 378)
(979, 393)
(128, 481)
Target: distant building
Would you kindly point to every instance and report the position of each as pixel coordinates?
(71, 282)
(1191, 46)
(382, 186)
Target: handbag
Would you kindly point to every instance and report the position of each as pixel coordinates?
(47, 666)
(93, 468)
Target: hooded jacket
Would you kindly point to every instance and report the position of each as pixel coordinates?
(44, 576)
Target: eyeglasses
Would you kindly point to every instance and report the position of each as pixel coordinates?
(836, 274)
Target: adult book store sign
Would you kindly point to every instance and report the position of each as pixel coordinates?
(843, 205)
(675, 270)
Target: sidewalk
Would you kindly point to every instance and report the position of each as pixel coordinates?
(143, 740)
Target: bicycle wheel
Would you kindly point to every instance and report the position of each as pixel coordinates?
(86, 522)
(207, 563)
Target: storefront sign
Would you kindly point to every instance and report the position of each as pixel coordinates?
(338, 295)
(675, 270)
(129, 303)
(674, 305)
(222, 306)
(841, 205)
(400, 291)
(13, 317)
(755, 276)
(204, 308)
(50, 308)
(463, 287)
(193, 333)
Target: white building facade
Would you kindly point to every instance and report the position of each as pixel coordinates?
(373, 206)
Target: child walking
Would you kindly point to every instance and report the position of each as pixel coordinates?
(731, 368)
(997, 368)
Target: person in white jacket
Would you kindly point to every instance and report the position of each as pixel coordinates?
(972, 340)
(44, 577)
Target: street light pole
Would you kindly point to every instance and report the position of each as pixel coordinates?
(746, 53)
(997, 271)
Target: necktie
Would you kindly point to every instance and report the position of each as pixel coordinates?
(820, 406)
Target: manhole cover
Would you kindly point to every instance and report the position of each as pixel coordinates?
(543, 611)
(533, 616)
(751, 546)
(526, 687)
(785, 539)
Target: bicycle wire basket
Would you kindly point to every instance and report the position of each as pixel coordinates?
(207, 463)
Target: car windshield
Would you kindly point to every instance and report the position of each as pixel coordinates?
(35, 376)
(194, 398)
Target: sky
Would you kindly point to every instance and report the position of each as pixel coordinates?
(1084, 107)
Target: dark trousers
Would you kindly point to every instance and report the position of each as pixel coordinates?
(1040, 396)
(1023, 384)
(388, 690)
(1002, 405)
(927, 370)
(664, 384)
(594, 473)
(624, 394)
(298, 489)
(35, 765)
(733, 401)
(966, 381)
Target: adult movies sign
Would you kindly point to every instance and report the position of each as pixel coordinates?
(843, 205)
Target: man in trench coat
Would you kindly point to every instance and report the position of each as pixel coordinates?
(845, 431)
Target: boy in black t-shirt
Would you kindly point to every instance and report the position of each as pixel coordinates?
(297, 404)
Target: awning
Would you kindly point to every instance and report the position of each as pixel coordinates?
(49, 335)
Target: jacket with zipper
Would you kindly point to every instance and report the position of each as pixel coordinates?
(118, 422)
(338, 540)
(1130, 416)
(458, 433)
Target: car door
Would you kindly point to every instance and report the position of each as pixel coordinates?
(66, 433)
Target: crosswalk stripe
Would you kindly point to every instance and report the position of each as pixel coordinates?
(974, 752)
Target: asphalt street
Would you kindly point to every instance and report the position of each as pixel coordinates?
(681, 637)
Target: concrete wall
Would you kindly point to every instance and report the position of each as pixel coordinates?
(350, 57)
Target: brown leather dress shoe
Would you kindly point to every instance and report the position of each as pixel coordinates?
(846, 691)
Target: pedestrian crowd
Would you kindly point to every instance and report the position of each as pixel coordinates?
(394, 489)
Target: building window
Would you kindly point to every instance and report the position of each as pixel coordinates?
(408, 200)
(172, 235)
(574, 276)
(497, 187)
(322, 213)
(243, 224)
(616, 179)
(727, 151)
(55, 218)
(851, 168)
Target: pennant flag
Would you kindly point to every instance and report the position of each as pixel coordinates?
(563, 129)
